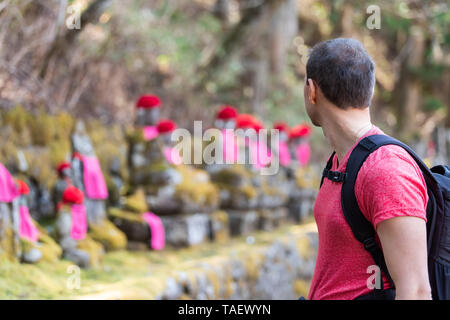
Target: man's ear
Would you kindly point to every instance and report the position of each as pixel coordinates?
(312, 87)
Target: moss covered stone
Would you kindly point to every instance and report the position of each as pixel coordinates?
(8, 246)
(307, 178)
(197, 187)
(132, 225)
(143, 275)
(95, 250)
(219, 226)
(136, 202)
(108, 235)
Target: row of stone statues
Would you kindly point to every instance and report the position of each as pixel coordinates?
(165, 201)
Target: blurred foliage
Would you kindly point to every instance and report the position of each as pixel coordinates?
(160, 46)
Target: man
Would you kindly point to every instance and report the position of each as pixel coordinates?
(390, 189)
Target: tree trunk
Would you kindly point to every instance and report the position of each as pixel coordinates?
(257, 69)
(446, 95)
(222, 10)
(63, 42)
(230, 42)
(283, 28)
(409, 88)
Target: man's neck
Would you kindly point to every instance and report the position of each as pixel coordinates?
(344, 128)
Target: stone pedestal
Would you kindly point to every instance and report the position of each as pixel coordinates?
(132, 225)
(243, 222)
(219, 226)
(186, 230)
(270, 219)
(301, 204)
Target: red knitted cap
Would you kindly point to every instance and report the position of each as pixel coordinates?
(23, 187)
(227, 112)
(148, 101)
(62, 166)
(298, 131)
(73, 195)
(245, 121)
(165, 126)
(281, 126)
(258, 125)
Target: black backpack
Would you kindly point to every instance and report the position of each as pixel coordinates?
(438, 215)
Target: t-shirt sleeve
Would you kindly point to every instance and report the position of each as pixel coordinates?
(390, 184)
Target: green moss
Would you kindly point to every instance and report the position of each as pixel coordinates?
(134, 135)
(42, 129)
(109, 143)
(301, 287)
(46, 138)
(59, 151)
(127, 215)
(41, 165)
(269, 190)
(63, 126)
(221, 217)
(307, 178)
(18, 118)
(108, 235)
(158, 166)
(196, 186)
(8, 149)
(252, 264)
(15, 127)
(95, 250)
(51, 251)
(7, 246)
(136, 202)
(249, 191)
(232, 175)
(142, 275)
(237, 180)
(26, 245)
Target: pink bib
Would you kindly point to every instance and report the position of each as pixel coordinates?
(230, 147)
(157, 229)
(79, 222)
(94, 182)
(303, 153)
(259, 153)
(150, 133)
(284, 154)
(8, 189)
(27, 229)
(172, 155)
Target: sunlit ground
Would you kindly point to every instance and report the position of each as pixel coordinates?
(137, 275)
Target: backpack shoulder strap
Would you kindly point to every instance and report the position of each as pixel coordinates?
(327, 167)
(362, 229)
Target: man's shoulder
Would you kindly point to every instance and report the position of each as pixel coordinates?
(389, 161)
(390, 153)
(390, 183)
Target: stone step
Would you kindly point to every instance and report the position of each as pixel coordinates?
(276, 265)
(185, 230)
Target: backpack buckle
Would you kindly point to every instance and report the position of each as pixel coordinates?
(334, 176)
(370, 244)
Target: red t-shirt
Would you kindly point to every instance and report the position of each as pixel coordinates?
(389, 184)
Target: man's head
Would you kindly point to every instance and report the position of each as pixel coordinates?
(339, 72)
